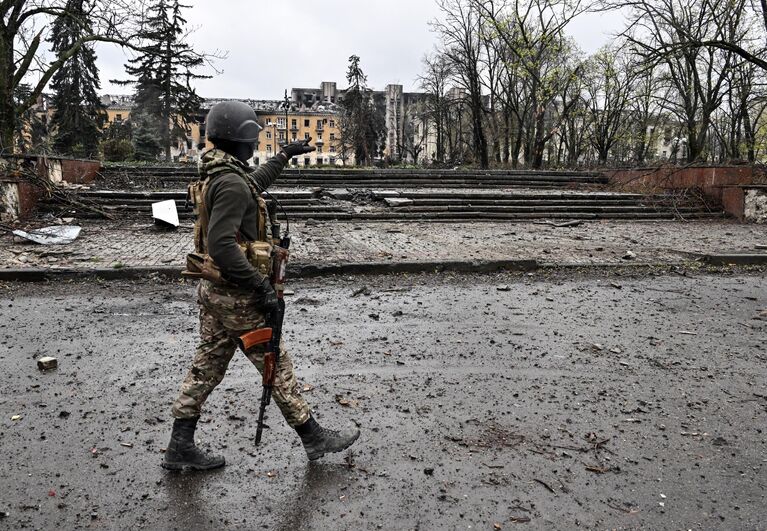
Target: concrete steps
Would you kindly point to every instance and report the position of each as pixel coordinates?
(176, 177)
(402, 194)
(436, 205)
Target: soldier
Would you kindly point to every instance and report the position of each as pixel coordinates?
(232, 221)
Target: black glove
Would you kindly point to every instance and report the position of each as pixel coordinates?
(266, 297)
(297, 148)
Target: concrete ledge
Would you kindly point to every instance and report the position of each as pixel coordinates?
(299, 270)
(735, 259)
(385, 268)
(296, 270)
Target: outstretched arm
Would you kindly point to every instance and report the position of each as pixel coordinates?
(265, 175)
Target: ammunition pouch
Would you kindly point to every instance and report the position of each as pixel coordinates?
(259, 254)
(199, 265)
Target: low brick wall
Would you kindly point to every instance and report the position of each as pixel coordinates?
(79, 171)
(717, 183)
(19, 199)
(709, 179)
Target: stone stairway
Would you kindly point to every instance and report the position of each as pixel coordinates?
(425, 204)
(177, 177)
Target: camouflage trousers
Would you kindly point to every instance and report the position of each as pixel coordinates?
(225, 314)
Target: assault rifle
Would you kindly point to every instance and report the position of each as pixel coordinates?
(272, 335)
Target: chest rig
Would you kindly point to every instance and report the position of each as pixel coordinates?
(213, 164)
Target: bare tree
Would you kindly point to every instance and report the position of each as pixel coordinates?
(24, 26)
(434, 81)
(533, 33)
(460, 34)
(644, 114)
(667, 33)
(608, 82)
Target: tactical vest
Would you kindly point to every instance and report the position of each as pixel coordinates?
(213, 164)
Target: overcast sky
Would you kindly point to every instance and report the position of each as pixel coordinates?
(274, 45)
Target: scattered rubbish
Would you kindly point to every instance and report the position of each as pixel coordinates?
(504, 288)
(688, 333)
(545, 485)
(165, 214)
(47, 363)
(307, 388)
(307, 301)
(364, 290)
(64, 414)
(630, 255)
(573, 223)
(56, 235)
(616, 285)
(496, 525)
(126, 444)
(343, 401)
(272, 474)
(519, 519)
(398, 313)
(398, 201)
(428, 471)
(288, 292)
(51, 493)
(16, 417)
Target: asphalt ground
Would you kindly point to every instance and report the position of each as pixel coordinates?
(554, 401)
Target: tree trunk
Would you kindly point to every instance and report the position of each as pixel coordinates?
(7, 107)
(506, 138)
(539, 144)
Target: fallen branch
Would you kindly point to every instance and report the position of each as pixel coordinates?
(545, 485)
(58, 193)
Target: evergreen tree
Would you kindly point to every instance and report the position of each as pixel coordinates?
(164, 102)
(31, 129)
(79, 113)
(362, 125)
(146, 142)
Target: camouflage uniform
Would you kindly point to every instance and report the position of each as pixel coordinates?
(225, 314)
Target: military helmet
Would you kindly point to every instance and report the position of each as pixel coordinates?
(234, 121)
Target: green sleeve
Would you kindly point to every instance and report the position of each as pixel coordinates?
(267, 173)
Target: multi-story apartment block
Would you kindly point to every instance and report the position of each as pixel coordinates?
(313, 113)
(321, 126)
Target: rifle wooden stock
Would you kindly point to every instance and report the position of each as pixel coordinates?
(250, 339)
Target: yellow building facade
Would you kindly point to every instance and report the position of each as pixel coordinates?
(321, 127)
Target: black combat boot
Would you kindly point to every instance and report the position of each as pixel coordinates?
(182, 453)
(319, 441)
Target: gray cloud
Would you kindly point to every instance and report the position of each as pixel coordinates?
(277, 45)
